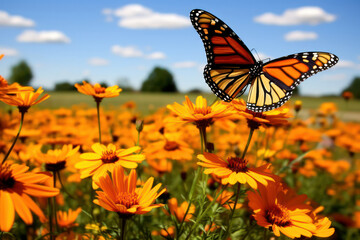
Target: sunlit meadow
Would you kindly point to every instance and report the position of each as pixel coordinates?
(188, 170)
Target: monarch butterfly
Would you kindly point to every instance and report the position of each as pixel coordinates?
(232, 68)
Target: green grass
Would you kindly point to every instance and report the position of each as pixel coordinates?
(149, 102)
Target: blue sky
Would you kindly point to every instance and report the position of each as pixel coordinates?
(111, 40)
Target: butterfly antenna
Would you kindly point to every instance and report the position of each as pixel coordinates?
(258, 56)
(254, 50)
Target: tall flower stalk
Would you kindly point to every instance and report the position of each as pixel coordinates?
(23, 101)
(99, 93)
(202, 116)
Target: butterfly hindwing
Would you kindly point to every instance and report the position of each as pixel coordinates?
(265, 95)
(279, 77)
(229, 60)
(227, 83)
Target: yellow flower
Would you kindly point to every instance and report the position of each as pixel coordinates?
(24, 100)
(234, 170)
(56, 160)
(105, 158)
(97, 91)
(120, 194)
(298, 105)
(16, 184)
(200, 113)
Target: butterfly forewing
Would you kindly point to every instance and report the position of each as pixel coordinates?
(224, 51)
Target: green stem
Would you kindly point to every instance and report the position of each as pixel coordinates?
(228, 229)
(202, 131)
(98, 116)
(249, 229)
(63, 187)
(51, 230)
(248, 142)
(199, 218)
(54, 202)
(123, 226)
(16, 138)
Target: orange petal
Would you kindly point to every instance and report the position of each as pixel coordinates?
(7, 210)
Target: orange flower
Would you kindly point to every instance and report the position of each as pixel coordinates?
(160, 165)
(234, 170)
(179, 211)
(280, 209)
(56, 160)
(347, 95)
(166, 233)
(105, 158)
(7, 89)
(327, 108)
(97, 91)
(67, 219)
(24, 100)
(121, 195)
(224, 200)
(16, 184)
(200, 113)
(276, 117)
(171, 148)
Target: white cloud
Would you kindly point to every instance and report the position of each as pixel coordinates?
(128, 52)
(347, 64)
(98, 61)
(132, 52)
(108, 13)
(43, 37)
(187, 64)
(8, 51)
(300, 36)
(156, 55)
(304, 15)
(14, 20)
(132, 10)
(136, 16)
(334, 77)
(85, 73)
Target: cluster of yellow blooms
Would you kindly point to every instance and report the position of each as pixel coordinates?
(229, 173)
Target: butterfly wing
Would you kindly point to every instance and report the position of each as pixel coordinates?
(229, 60)
(279, 77)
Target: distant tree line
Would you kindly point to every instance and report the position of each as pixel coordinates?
(354, 88)
(159, 80)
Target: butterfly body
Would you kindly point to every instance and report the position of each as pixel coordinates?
(232, 68)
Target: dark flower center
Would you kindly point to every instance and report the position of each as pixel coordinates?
(127, 199)
(109, 157)
(203, 111)
(237, 164)
(278, 215)
(55, 167)
(99, 90)
(171, 146)
(6, 178)
(252, 123)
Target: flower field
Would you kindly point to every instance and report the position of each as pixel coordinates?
(188, 170)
